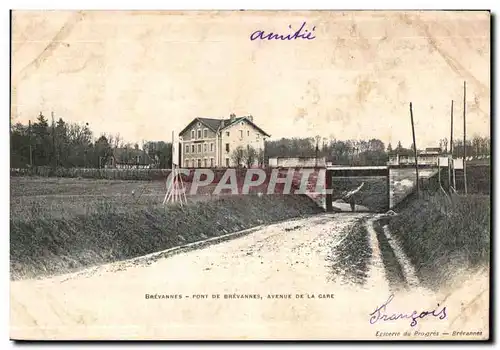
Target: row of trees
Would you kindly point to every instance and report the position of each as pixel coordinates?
(477, 146)
(69, 145)
(247, 156)
(63, 144)
(341, 152)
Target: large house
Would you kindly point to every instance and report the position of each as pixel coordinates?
(209, 142)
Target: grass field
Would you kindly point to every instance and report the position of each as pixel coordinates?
(66, 197)
(63, 225)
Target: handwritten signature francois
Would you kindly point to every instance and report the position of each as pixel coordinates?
(380, 314)
(301, 33)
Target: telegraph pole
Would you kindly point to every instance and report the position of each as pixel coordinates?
(414, 149)
(31, 150)
(451, 165)
(451, 130)
(465, 148)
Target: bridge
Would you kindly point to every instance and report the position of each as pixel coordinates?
(383, 187)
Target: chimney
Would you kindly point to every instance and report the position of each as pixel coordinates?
(250, 117)
(232, 116)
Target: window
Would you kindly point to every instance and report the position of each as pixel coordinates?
(227, 147)
(199, 148)
(205, 133)
(248, 132)
(192, 148)
(187, 148)
(258, 136)
(227, 162)
(192, 134)
(205, 147)
(241, 133)
(211, 147)
(187, 163)
(199, 133)
(199, 163)
(227, 133)
(205, 161)
(211, 162)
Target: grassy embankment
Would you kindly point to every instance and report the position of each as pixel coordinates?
(440, 237)
(73, 229)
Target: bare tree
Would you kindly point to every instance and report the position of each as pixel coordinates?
(118, 141)
(445, 145)
(260, 157)
(238, 156)
(250, 156)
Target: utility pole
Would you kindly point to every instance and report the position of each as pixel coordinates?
(465, 148)
(451, 130)
(451, 165)
(414, 149)
(31, 150)
(317, 149)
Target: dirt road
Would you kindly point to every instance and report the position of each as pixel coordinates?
(274, 283)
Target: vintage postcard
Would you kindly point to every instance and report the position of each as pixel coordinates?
(250, 175)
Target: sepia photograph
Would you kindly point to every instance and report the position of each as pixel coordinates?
(250, 175)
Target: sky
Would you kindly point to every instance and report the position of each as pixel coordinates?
(143, 74)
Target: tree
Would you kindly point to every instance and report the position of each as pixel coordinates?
(62, 143)
(399, 147)
(389, 148)
(376, 145)
(41, 140)
(260, 157)
(19, 146)
(250, 156)
(103, 151)
(238, 155)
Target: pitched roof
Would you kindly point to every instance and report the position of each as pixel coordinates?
(211, 123)
(228, 123)
(220, 124)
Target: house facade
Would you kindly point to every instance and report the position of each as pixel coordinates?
(210, 142)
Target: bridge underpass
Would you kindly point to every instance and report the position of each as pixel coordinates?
(377, 188)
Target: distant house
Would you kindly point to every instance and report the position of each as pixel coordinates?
(209, 142)
(130, 158)
(289, 162)
(429, 156)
